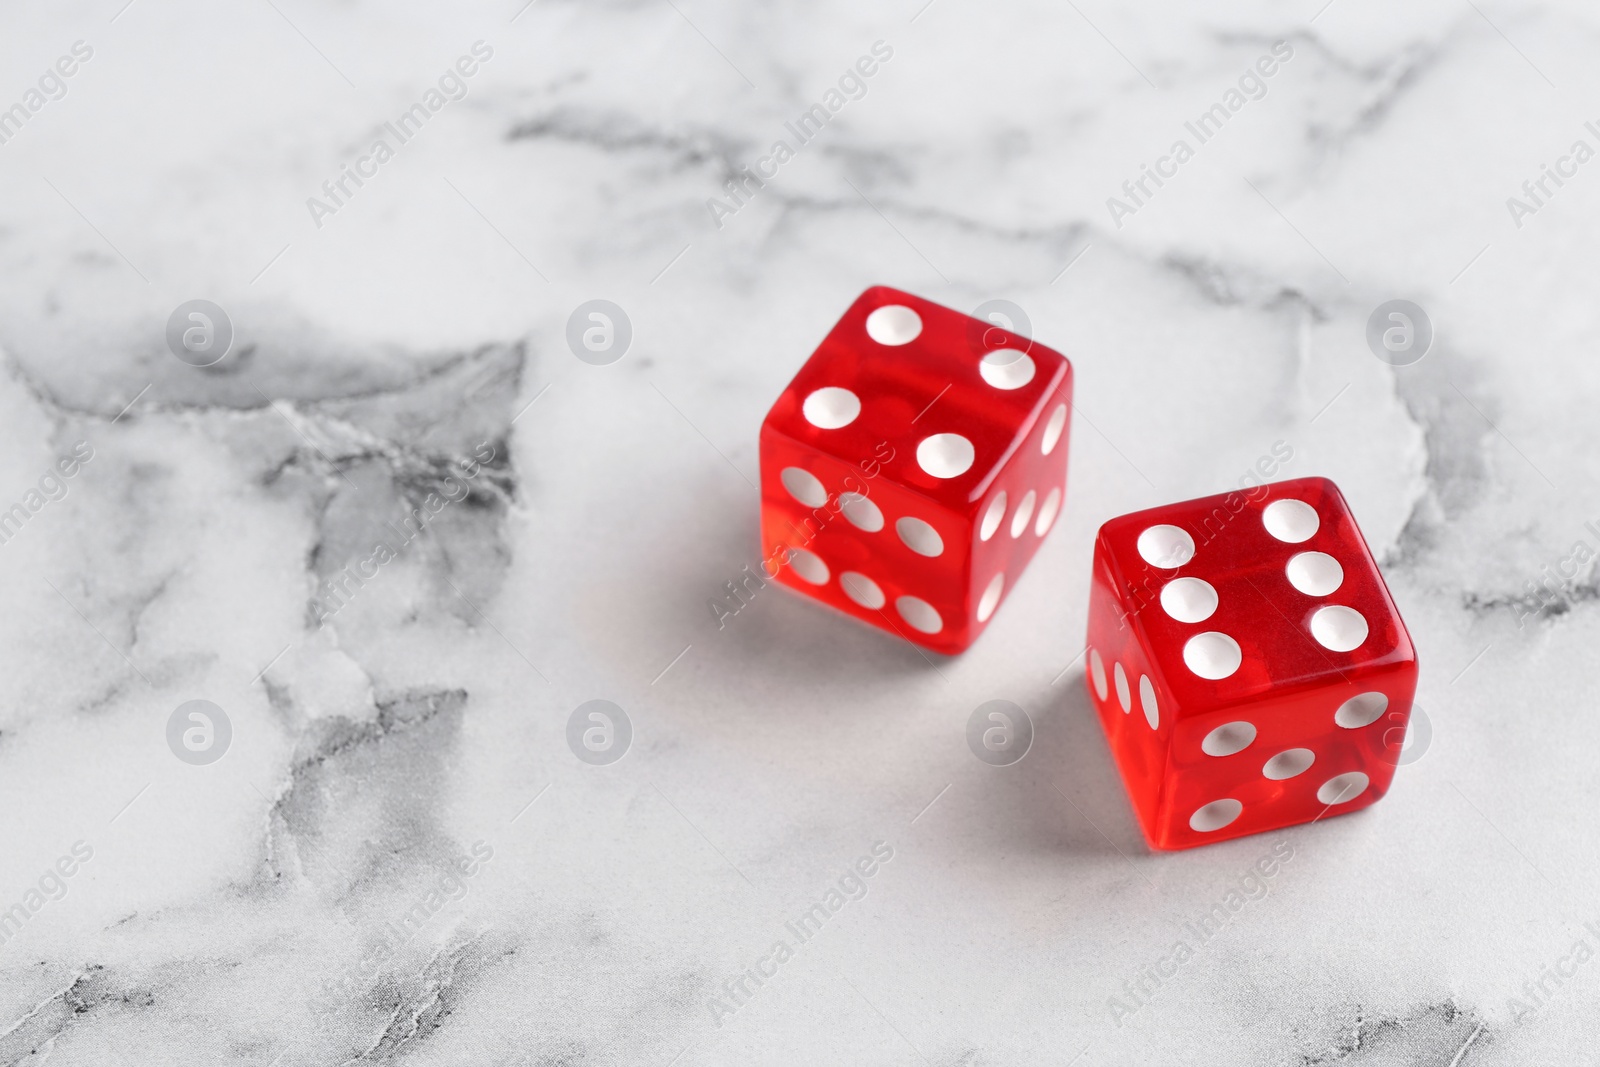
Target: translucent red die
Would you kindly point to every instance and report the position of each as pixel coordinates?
(913, 466)
(1247, 662)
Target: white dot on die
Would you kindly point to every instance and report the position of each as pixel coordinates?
(1361, 710)
(945, 455)
(1006, 368)
(1215, 815)
(831, 408)
(1229, 738)
(1124, 697)
(1048, 512)
(1338, 628)
(1290, 520)
(1024, 512)
(919, 614)
(991, 597)
(1097, 673)
(1342, 788)
(862, 590)
(1147, 701)
(894, 324)
(918, 536)
(1314, 573)
(808, 565)
(991, 517)
(1289, 763)
(1212, 655)
(861, 512)
(1052, 429)
(804, 487)
(1189, 599)
(1166, 546)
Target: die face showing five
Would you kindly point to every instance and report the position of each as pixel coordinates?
(1268, 673)
(913, 466)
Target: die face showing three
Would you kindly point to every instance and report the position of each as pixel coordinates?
(1247, 662)
(913, 466)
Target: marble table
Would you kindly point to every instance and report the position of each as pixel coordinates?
(375, 843)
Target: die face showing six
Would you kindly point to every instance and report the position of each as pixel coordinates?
(1239, 561)
(1263, 634)
(912, 468)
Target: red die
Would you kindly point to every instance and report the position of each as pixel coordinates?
(1249, 666)
(910, 470)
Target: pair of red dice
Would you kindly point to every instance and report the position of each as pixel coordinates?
(1247, 662)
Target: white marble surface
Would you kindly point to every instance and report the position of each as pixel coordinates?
(225, 910)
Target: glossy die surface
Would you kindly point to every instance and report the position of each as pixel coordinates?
(913, 466)
(1247, 662)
